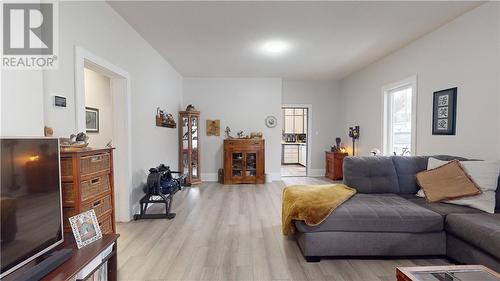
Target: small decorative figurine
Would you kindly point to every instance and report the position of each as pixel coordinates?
(228, 133)
(336, 147)
(79, 140)
(256, 135)
(190, 107)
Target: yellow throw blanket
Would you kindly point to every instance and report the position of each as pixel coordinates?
(311, 203)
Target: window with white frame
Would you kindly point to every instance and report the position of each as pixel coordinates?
(400, 117)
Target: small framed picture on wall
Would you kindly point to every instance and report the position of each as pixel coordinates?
(92, 119)
(444, 112)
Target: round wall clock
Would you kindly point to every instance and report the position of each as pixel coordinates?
(271, 121)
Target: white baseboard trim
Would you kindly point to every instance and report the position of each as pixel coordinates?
(273, 177)
(316, 172)
(210, 177)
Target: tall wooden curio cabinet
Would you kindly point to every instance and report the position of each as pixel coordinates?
(189, 146)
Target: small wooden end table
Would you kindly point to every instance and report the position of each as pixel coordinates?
(447, 272)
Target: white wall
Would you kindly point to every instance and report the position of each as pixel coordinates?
(21, 103)
(97, 28)
(241, 104)
(98, 95)
(327, 119)
(463, 53)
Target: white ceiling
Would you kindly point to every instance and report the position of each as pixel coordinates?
(329, 40)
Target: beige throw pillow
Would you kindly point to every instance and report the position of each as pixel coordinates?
(446, 182)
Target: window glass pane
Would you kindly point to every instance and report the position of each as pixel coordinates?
(401, 115)
(299, 111)
(288, 111)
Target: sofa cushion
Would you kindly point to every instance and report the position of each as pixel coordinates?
(371, 174)
(443, 209)
(480, 230)
(406, 169)
(446, 182)
(378, 213)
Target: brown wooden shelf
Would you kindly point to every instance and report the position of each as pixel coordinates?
(82, 257)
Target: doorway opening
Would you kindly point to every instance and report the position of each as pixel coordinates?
(295, 141)
(98, 108)
(117, 81)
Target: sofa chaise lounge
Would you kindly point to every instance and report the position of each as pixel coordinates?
(386, 218)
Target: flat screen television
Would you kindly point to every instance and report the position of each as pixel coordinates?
(31, 205)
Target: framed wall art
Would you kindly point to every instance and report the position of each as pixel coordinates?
(213, 127)
(444, 112)
(92, 119)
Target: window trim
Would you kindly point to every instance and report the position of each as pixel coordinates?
(386, 119)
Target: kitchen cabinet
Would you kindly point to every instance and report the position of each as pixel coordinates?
(290, 154)
(294, 121)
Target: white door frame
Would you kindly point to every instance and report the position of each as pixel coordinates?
(122, 137)
(309, 130)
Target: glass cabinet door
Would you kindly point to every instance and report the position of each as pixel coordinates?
(251, 164)
(237, 164)
(194, 147)
(185, 145)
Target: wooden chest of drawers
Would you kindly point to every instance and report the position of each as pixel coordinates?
(87, 183)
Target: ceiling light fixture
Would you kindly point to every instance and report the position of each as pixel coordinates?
(274, 47)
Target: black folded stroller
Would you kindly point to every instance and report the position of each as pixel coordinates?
(160, 188)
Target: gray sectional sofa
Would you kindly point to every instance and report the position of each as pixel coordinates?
(385, 218)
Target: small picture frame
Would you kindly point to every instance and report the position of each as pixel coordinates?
(92, 120)
(85, 228)
(444, 112)
(213, 127)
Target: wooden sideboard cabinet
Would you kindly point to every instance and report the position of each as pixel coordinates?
(244, 161)
(334, 163)
(87, 183)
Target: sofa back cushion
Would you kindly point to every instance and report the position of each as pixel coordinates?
(406, 169)
(371, 174)
(408, 166)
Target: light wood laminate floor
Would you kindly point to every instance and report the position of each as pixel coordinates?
(231, 232)
(293, 171)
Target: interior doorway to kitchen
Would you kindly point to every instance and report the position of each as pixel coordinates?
(295, 141)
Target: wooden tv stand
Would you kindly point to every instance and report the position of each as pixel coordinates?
(82, 257)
